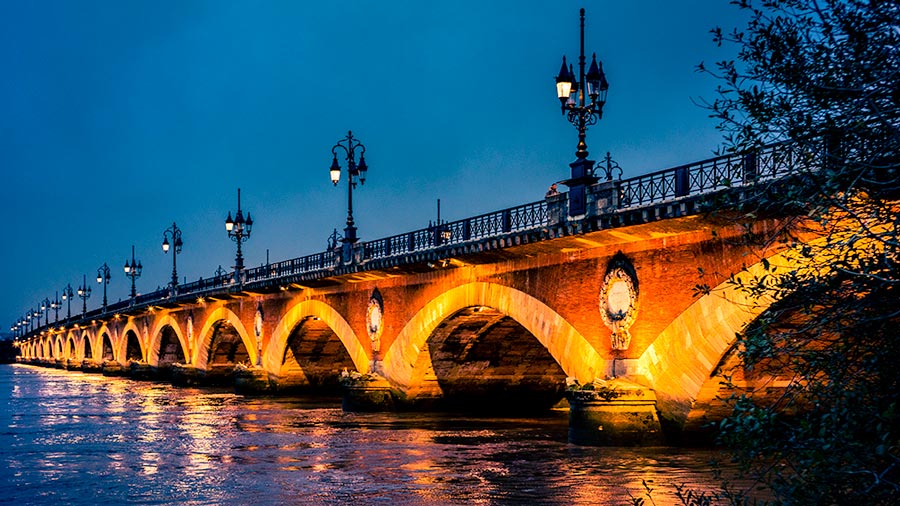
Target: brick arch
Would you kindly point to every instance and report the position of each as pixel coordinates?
(565, 344)
(120, 344)
(684, 355)
(200, 355)
(276, 347)
(70, 349)
(58, 349)
(156, 337)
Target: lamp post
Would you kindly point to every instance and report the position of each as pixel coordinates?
(56, 304)
(45, 307)
(84, 291)
(175, 233)
(103, 277)
(133, 271)
(36, 319)
(67, 296)
(574, 95)
(29, 318)
(239, 231)
(354, 173)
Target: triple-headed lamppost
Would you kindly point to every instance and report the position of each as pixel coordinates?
(354, 173)
(56, 304)
(67, 296)
(572, 94)
(133, 271)
(175, 233)
(84, 291)
(239, 231)
(103, 277)
(45, 307)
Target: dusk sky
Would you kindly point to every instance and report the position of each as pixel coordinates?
(119, 117)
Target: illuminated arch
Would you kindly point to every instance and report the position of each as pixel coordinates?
(120, 347)
(200, 355)
(58, 347)
(684, 355)
(565, 344)
(156, 338)
(275, 349)
(70, 350)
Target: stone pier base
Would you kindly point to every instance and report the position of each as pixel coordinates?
(186, 375)
(613, 413)
(140, 371)
(113, 368)
(73, 365)
(251, 381)
(367, 392)
(91, 366)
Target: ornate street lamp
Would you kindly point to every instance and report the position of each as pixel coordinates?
(582, 102)
(84, 291)
(56, 304)
(239, 231)
(45, 307)
(354, 173)
(103, 277)
(67, 295)
(175, 233)
(133, 271)
(29, 317)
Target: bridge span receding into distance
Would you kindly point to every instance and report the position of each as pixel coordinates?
(513, 310)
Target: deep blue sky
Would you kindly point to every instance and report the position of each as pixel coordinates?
(118, 118)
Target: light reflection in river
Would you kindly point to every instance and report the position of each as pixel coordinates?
(74, 438)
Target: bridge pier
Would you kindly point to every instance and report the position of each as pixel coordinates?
(613, 413)
(369, 392)
(251, 380)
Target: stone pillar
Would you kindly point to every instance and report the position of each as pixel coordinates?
(557, 208)
(613, 413)
(604, 197)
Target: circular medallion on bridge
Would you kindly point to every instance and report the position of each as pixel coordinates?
(374, 317)
(618, 300)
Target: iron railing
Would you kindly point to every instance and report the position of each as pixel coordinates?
(707, 176)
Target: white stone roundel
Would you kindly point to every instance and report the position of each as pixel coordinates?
(618, 303)
(374, 316)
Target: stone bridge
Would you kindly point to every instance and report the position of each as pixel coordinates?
(512, 311)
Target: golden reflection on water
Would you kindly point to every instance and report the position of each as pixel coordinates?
(74, 434)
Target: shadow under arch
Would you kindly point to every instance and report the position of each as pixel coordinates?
(160, 341)
(130, 345)
(574, 354)
(274, 353)
(71, 352)
(682, 359)
(201, 354)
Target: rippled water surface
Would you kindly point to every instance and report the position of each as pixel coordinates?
(73, 438)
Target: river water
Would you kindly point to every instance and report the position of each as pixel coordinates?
(73, 438)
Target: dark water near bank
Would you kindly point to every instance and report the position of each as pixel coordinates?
(73, 438)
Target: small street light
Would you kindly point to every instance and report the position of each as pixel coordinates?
(103, 277)
(133, 271)
(354, 173)
(175, 233)
(239, 231)
(573, 96)
(67, 296)
(84, 291)
(45, 307)
(56, 304)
